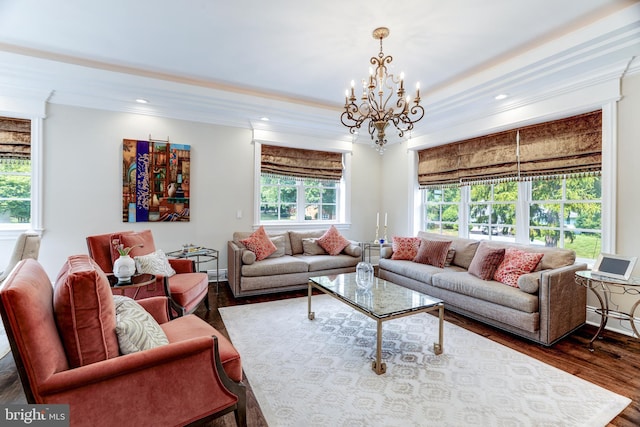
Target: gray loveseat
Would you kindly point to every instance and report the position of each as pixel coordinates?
(547, 306)
(298, 257)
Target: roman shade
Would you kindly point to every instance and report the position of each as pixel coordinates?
(15, 138)
(562, 147)
(298, 163)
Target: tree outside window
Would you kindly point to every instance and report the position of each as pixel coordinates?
(302, 200)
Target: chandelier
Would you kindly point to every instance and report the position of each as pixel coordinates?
(377, 104)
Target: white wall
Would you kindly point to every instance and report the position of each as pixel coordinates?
(82, 182)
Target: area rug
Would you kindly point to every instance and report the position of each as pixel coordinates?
(318, 373)
(4, 342)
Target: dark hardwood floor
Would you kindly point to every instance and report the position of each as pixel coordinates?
(614, 365)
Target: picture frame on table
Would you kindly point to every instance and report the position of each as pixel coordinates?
(614, 266)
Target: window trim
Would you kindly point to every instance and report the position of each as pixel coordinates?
(31, 106)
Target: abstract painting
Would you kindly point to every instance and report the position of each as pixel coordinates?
(156, 177)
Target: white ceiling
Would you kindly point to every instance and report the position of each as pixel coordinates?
(292, 60)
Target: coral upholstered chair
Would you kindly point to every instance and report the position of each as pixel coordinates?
(186, 289)
(65, 346)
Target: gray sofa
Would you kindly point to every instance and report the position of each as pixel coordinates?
(298, 257)
(552, 307)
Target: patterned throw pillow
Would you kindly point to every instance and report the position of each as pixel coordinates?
(332, 241)
(260, 244)
(515, 264)
(433, 252)
(486, 261)
(154, 263)
(405, 247)
(136, 329)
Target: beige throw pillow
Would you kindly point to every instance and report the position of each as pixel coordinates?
(136, 329)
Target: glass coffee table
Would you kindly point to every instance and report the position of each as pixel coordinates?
(383, 301)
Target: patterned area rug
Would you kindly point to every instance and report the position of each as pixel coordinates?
(4, 342)
(318, 373)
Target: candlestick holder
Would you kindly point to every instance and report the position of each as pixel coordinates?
(377, 240)
(385, 235)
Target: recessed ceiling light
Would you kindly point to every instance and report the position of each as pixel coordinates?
(501, 96)
(264, 119)
(142, 101)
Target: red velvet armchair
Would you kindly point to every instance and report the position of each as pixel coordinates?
(186, 289)
(195, 377)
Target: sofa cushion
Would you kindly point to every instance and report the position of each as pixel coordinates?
(85, 312)
(451, 253)
(405, 248)
(353, 249)
(260, 244)
(297, 236)
(465, 248)
(278, 242)
(529, 283)
(325, 262)
(515, 264)
(273, 266)
(420, 272)
(310, 246)
(240, 235)
(332, 241)
(140, 242)
(136, 329)
(248, 257)
(486, 290)
(433, 252)
(486, 261)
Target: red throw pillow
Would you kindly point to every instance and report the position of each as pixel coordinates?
(486, 261)
(332, 241)
(405, 247)
(515, 264)
(260, 244)
(85, 312)
(433, 252)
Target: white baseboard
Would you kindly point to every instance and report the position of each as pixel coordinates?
(615, 325)
(221, 273)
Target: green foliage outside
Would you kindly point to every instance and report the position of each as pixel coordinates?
(569, 208)
(279, 199)
(15, 192)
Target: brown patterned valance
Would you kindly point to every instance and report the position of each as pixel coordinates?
(561, 147)
(298, 163)
(15, 138)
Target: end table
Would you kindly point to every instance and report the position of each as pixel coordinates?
(609, 286)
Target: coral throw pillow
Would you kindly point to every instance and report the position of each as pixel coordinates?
(515, 264)
(486, 261)
(405, 247)
(260, 244)
(433, 252)
(332, 241)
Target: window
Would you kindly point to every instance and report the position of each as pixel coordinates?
(560, 212)
(299, 200)
(15, 172)
(441, 209)
(567, 213)
(492, 211)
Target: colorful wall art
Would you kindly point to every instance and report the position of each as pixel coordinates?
(155, 181)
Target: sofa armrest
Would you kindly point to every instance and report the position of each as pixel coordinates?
(563, 304)
(157, 307)
(168, 367)
(234, 266)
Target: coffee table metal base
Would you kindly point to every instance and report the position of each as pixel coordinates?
(378, 366)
